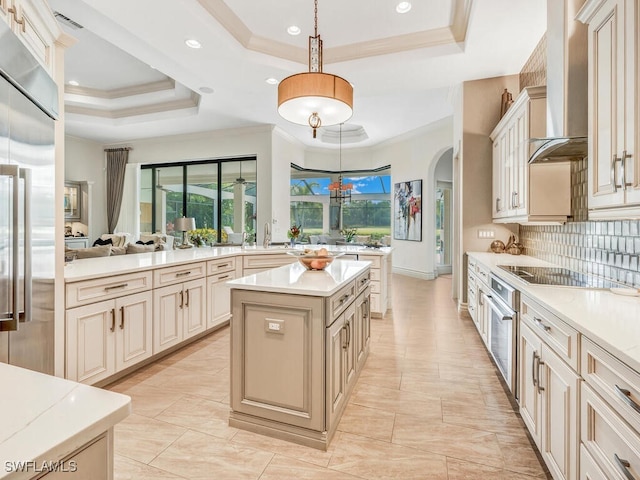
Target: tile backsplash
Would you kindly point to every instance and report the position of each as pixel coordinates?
(609, 249)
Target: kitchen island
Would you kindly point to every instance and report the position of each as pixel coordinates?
(299, 339)
(48, 424)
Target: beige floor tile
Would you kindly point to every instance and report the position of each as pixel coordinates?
(396, 401)
(486, 419)
(201, 415)
(282, 447)
(202, 457)
(519, 455)
(449, 440)
(149, 400)
(367, 422)
(127, 469)
(461, 470)
(141, 438)
(372, 459)
(287, 468)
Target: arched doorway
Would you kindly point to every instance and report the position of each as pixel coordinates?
(443, 180)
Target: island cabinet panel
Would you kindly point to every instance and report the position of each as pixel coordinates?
(276, 357)
(92, 461)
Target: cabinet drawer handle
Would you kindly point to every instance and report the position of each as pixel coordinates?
(182, 274)
(624, 465)
(113, 320)
(625, 395)
(344, 298)
(14, 11)
(116, 287)
(122, 318)
(223, 265)
(223, 277)
(541, 324)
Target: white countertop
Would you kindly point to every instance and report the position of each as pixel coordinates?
(89, 268)
(45, 418)
(297, 280)
(612, 321)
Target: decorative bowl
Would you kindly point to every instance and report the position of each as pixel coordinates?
(315, 259)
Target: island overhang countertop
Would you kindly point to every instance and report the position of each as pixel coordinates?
(296, 279)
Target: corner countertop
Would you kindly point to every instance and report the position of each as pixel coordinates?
(90, 268)
(612, 321)
(45, 418)
(297, 280)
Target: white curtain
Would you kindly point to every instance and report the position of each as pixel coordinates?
(129, 219)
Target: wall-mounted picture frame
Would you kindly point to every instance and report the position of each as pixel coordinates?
(407, 211)
(72, 200)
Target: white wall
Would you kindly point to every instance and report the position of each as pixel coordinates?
(414, 157)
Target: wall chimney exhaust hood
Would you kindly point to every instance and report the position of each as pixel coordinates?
(558, 149)
(567, 95)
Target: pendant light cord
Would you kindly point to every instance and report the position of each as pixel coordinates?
(315, 17)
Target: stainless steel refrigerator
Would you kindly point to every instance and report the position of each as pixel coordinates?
(28, 108)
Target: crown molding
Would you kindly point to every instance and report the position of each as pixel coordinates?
(453, 34)
(131, 91)
(186, 103)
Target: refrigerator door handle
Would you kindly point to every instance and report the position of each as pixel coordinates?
(25, 174)
(9, 320)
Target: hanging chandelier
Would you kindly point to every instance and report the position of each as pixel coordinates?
(340, 192)
(315, 98)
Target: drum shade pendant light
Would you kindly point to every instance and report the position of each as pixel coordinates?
(315, 98)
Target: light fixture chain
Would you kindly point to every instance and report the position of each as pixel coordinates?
(315, 17)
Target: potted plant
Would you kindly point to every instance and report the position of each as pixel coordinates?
(293, 233)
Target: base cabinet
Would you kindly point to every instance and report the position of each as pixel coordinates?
(549, 404)
(92, 461)
(106, 337)
(179, 313)
(219, 299)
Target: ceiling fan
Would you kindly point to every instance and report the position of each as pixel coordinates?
(159, 186)
(240, 180)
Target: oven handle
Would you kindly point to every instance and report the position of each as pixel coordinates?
(505, 313)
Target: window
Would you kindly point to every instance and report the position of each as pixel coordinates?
(369, 209)
(219, 194)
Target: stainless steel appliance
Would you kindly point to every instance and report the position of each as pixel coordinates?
(28, 107)
(558, 276)
(503, 301)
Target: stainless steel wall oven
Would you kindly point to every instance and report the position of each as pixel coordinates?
(503, 302)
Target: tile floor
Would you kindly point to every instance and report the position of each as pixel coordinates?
(428, 405)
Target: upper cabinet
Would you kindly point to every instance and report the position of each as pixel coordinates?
(614, 168)
(523, 193)
(33, 22)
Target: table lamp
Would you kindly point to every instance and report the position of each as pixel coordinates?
(184, 224)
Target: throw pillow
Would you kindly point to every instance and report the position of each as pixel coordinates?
(100, 241)
(93, 252)
(140, 242)
(134, 248)
(118, 250)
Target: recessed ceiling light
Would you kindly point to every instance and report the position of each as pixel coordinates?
(403, 7)
(293, 30)
(206, 89)
(271, 81)
(193, 43)
(73, 83)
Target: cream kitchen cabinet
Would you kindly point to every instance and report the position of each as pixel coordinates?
(34, 25)
(549, 388)
(614, 166)
(259, 263)
(380, 282)
(478, 291)
(610, 412)
(107, 337)
(524, 193)
(219, 272)
(180, 313)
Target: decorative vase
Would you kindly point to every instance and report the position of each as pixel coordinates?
(292, 242)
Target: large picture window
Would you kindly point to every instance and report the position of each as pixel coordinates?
(368, 211)
(219, 194)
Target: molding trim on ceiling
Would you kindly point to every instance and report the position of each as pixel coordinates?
(453, 34)
(159, 86)
(350, 134)
(183, 104)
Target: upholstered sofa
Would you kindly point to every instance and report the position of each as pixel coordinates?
(121, 244)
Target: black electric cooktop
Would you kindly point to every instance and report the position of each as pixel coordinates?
(558, 276)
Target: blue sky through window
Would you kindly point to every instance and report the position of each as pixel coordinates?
(361, 184)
